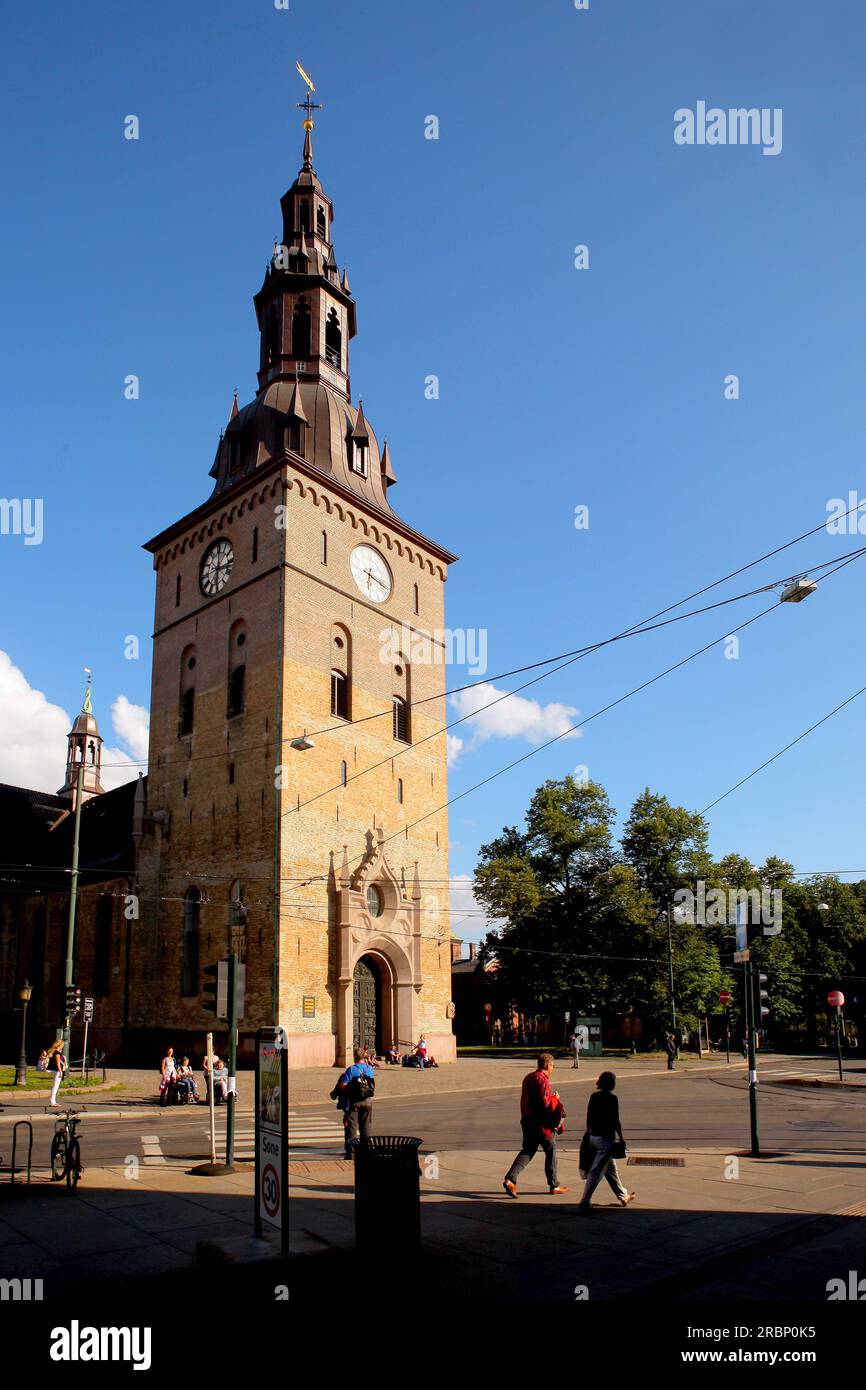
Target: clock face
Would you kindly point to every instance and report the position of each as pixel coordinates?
(216, 567)
(371, 573)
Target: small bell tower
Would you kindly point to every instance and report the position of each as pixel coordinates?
(84, 748)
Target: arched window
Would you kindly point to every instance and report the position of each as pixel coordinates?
(190, 944)
(341, 672)
(304, 210)
(186, 715)
(321, 225)
(333, 339)
(400, 790)
(237, 676)
(324, 547)
(102, 947)
(272, 334)
(339, 695)
(344, 774)
(415, 592)
(301, 330)
(401, 719)
(255, 554)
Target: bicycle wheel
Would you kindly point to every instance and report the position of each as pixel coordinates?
(58, 1156)
(73, 1164)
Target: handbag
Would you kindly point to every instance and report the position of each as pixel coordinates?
(587, 1155)
(619, 1149)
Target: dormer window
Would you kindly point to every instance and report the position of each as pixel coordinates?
(360, 454)
(295, 437)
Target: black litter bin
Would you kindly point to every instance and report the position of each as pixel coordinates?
(387, 1194)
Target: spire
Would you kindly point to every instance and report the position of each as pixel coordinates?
(309, 106)
(296, 405)
(344, 283)
(387, 467)
(84, 750)
(234, 410)
(360, 430)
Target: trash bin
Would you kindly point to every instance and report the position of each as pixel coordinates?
(387, 1194)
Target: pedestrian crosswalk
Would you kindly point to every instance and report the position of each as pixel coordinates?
(316, 1134)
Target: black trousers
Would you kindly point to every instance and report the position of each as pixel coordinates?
(358, 1117)
(533, 1139)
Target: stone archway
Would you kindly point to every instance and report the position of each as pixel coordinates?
(378, 955)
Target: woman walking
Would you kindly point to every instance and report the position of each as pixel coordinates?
(58, 1066)
(603, 1126)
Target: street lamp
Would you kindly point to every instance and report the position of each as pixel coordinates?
(24, 995)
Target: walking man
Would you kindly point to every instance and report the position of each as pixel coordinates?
(575, 1047)
(354, 1096)
(541, 1116)
(671, 1049)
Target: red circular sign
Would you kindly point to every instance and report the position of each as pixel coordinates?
(724, 996)
(270, 1190)
(836, 998)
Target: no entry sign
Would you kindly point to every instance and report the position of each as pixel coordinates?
(835, 998)
(724, 996)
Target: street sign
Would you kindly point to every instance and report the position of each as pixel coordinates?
(724, 996)
(272, 1133)
(88, 1010)
(835, 998)
(740, 957)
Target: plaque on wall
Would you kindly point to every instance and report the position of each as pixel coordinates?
(308, 1007)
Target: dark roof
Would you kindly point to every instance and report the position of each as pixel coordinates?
(37, 857)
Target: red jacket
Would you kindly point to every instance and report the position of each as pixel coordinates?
(537, 1104)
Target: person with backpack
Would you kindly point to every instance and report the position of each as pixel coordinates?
(354, 1096)
(541, 1119)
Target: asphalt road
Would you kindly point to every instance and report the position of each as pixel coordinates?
(700, 1109)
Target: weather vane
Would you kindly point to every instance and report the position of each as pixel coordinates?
(307, 104)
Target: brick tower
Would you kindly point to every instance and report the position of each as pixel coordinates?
(297, 773)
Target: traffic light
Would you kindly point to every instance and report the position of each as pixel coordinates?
(761, 1008)
(73, 1000)
(214, 989)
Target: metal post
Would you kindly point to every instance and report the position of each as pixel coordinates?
(65, 1031)
(21, 1077)
(728, 1032)
(209, 1054)
(838, 1040)
(753, 1061)
(233, 1059)
(671, 977)
(84, 1051)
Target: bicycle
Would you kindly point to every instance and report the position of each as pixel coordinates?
(66, 1149)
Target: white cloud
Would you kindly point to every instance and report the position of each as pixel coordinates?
(455, 748)
(515, 717)
(131, 723)
(33, 748)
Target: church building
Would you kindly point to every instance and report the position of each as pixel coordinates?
(295, 807)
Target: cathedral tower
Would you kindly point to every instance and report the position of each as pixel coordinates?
(84, 748)
(297, 774)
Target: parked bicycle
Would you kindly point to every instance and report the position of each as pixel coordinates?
(66, 1149)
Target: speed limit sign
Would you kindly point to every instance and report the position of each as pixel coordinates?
(271, 1193)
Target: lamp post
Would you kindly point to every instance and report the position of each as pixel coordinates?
(24, 995)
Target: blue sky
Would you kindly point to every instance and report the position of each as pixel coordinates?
(602, 387)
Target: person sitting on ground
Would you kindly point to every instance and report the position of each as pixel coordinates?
(392, 1056)
(372, 1058)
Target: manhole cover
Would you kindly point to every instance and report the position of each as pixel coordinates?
(658, 1162)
